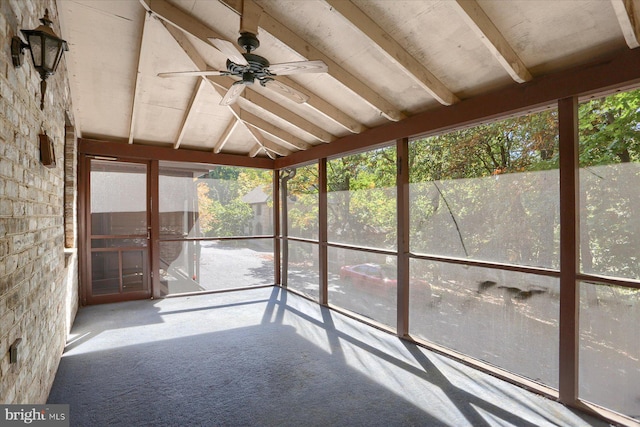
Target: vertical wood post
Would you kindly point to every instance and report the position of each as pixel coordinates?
(84, 241)
(402, 183)
(569, 250)
(276, 227)
(322, 232)
(154, 227)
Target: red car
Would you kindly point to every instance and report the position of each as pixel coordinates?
(380, 279)
(371, 276)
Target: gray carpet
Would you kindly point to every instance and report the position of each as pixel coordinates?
(266, 357)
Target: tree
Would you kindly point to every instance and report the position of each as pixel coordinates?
(233, 219)
(610, 175)
(610, 129)
(362, 198)
(205, 209)
(483, 192)
(222, 212)
(303, 202)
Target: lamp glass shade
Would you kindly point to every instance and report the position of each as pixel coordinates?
(46, 49)
(53, 52)
(35, 46)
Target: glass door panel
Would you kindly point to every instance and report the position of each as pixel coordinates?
(118, 231)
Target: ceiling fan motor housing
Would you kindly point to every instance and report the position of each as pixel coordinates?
(257, 69)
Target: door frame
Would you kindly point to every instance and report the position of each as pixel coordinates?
(84, 233)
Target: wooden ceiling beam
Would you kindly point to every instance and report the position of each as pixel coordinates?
(306, 50)
(186, 23)
(192, 53)
(135, 102)
(268, 145)
(628, 14)
(324, 108)
(233, 123)
(255, 150)
(250, 17)
(181, 20)
(492, 38)
(146, 152)
(277, 110)
(255, 121)
(188, 113)
(393, 50)
(273, 130)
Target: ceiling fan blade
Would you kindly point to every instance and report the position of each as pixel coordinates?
(285, 68)
(192, 73)
(287, 91)
(229, 50)
(232, 94)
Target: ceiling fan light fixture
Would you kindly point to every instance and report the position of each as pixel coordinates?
(247, 78)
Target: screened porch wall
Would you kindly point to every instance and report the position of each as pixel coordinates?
(484, 277)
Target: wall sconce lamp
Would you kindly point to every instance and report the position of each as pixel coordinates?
(46, 51)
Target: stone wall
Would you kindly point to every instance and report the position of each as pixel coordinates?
(38, 276)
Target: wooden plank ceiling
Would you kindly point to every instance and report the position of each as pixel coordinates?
(386, 60)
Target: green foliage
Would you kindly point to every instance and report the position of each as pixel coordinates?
(517, 144)
(362, 198)
(610, 129)
(227, 173)
(305, 182)
(457, 212)
(610, 177)
(206, 211)
(249, 179)
(232, 219)
(222, 213)
(303, 202)
(483, 193)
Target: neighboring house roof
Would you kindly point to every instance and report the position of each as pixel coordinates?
(257, 195)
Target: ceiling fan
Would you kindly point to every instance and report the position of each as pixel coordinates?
(250, 67)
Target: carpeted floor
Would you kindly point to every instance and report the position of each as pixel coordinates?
(265, 357)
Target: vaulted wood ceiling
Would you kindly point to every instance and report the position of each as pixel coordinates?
(387, 60)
